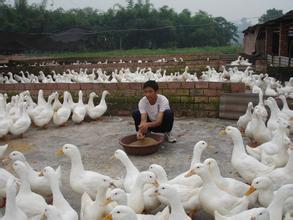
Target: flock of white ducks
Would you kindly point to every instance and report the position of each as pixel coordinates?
(78, 62)
(269, 85)
(265, 192)
(241, 61)
(21, 112)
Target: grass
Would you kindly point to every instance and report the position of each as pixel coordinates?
(233, 49)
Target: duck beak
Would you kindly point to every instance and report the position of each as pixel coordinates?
(222, 132)
(250, 191)
(41, 173)
(113, 157)
(253, 218)
(156, 184)
(59, 153)
(6, 160)
(190, 173)
(108, 217)
(107, 201)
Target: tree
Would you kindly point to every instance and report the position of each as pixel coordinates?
(270, 14)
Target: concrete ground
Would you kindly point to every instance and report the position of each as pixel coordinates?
(98, 141)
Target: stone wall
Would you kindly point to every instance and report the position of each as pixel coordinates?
(196, 99)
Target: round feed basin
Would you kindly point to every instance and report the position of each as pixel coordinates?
(131, 149)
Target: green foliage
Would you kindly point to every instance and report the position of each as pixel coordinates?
(235, 49)
(138, 25)
(270, 14)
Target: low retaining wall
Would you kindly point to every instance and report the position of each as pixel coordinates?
(196, 99)
(232, 106)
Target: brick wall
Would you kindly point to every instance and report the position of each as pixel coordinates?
(196, 99)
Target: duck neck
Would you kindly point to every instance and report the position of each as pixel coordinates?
(80, 101)
(10, 203)
(176, 205)
(216, 173)
(260, 96)
(285, 104)
(274, 111)
(207, 178)
(162, 176)
(196, 157)
(25, 185)
(101, 194)
(276, 207)
(139, 184)
(76, 163)
(128, 164)
(103, 99)
(91, 101)
(238, 144)
(56, 192)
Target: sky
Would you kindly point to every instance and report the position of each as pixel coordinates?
(232, 10)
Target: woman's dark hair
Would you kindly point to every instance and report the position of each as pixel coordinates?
(152, 84)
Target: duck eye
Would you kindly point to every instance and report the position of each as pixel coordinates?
(118, 212)
(164, 188)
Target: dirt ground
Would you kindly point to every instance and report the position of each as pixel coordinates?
(98, 141)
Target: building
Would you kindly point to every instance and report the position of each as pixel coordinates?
(272, 40)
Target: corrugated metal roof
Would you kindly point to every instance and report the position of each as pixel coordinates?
(285, 17)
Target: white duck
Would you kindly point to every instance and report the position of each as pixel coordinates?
(4, 177)
(256, 129)
(62, 115)
(264, 186)
(56, 104)
(189, 196)
(59, 202)
(213, 199)
(31, 203)
(230, 185)
(261, 106)
(251, 214)
(126, 213)
(39, 184)
(246, 118)
(22, 123)
(274, 152)
(193, 181)
(12, 211)
(286, 108)
(131, 170)
(5, 120)
(276, 206)
(81, 180)
(247, 166)
(136, 198)
(169, 193)
(282, 176)
(79, 110)
(52, 213)
(41, 102)
(96, 112)
(45, 115)
(93, 210)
